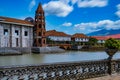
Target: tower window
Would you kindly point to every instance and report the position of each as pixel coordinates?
(39, 40)
(40, 25)
(39, 14)
(16, 32)
(26, 33)
(40, 19)
(5, 31)
(39, 33)
(43, 33)
(44, 41)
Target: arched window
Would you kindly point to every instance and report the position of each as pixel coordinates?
(39, 34)
(40, 26)
(39, 40)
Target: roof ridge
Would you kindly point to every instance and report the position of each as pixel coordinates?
(14, 20)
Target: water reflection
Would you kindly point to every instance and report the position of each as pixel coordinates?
(53, 58)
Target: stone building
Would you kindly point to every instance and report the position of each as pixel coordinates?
(15, 33)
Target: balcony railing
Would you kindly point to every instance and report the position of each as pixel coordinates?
(60, 71)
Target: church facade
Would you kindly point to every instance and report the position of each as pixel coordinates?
(15, 33)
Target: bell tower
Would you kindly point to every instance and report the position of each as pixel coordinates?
(39, 28)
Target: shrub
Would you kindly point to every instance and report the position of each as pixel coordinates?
(112, 43)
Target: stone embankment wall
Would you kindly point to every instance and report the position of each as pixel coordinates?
(14, 50)
(19, 51)
(54, 49)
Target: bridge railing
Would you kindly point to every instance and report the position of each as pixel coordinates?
(60, 71)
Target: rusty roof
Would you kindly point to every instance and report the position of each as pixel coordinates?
(15, 21)
(56, 33)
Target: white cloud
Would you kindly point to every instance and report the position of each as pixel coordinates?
(58, 8)
(92, 3)
(65, 1)
(93, 26)
(67, 24)
(62, 8)
(118, 12)
(32, 4)
(74, 1)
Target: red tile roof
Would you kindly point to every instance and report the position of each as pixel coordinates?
(15, 21)
(56, 33)
(100, 37)
(116, 36)
(79, 35)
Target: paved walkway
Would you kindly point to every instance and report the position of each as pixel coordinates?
(109, 77)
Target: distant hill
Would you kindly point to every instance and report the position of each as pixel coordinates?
(104, 32)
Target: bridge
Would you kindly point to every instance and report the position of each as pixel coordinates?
(64, 46)
(67, 46)
(61, 71)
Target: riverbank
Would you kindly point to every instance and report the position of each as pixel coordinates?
(87, 48)
(54, 49)
(5, 51)
(92, 48)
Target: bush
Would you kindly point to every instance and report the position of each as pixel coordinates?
(112, 44)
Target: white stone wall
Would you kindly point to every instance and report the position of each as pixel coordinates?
(14, 36)
(23, 41)
(81, 39)
(59, 38)
(101, 41)
(5, 38)
(27, 41)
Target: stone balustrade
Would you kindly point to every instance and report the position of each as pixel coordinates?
(60, 71)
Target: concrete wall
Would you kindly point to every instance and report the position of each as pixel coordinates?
(59, 38)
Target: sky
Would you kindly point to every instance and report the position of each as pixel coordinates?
(69, 16)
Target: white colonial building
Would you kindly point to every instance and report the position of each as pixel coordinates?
(80, 38)
(58, 36)
(15, 33)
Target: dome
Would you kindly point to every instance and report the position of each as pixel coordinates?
(30, 19)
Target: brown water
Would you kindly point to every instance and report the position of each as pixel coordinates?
(68, 56)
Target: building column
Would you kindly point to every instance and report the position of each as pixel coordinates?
(21, 36)
(10, 35)
(31, 37)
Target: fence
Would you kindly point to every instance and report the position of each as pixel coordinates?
(60, 71)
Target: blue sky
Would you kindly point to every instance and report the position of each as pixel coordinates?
(69, 16)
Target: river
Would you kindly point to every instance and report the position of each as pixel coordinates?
(28, 59)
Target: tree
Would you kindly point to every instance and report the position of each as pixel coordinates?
(112, 46)
(92, 41)
(49, 41)
(112, 43)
